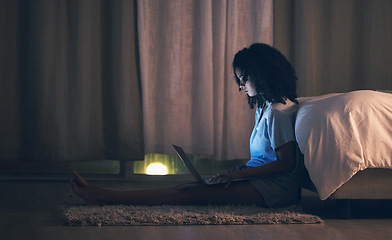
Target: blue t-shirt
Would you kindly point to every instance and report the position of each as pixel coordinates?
(274, 129)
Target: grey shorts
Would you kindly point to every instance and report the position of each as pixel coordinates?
(280, 190)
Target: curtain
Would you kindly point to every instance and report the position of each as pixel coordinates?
(189, 93)
(69, 84)
(336, 45)
(72, 87)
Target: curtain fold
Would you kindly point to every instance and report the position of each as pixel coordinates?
(70, 88)
(336, 45)
(189, 94)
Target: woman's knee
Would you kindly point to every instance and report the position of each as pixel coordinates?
(188, 187)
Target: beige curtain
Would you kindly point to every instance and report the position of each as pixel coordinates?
(189, 93)
(69, 86)
(336, 45)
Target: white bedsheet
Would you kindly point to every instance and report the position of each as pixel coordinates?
(343, 133)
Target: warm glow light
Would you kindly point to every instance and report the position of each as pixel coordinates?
(156, 169)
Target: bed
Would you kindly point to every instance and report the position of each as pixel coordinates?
(346, 140)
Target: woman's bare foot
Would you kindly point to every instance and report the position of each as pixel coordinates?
(90, 193)
(81, 181)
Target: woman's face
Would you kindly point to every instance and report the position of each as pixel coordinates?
(248, 87)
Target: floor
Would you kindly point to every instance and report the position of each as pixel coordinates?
(27, 209)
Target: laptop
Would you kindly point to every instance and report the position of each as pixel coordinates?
(192, 169)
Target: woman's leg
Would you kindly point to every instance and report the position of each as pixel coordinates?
(241, 192)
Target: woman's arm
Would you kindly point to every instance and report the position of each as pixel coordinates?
(284, 164)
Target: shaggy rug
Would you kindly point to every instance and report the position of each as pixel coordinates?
(77, 213)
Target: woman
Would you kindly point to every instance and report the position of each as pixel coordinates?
(273, 175)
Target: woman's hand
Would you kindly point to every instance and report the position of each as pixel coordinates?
(285, 164)
(231, 175)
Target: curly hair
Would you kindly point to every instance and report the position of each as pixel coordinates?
(273, 76)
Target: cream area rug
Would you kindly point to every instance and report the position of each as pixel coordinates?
(75, 213)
